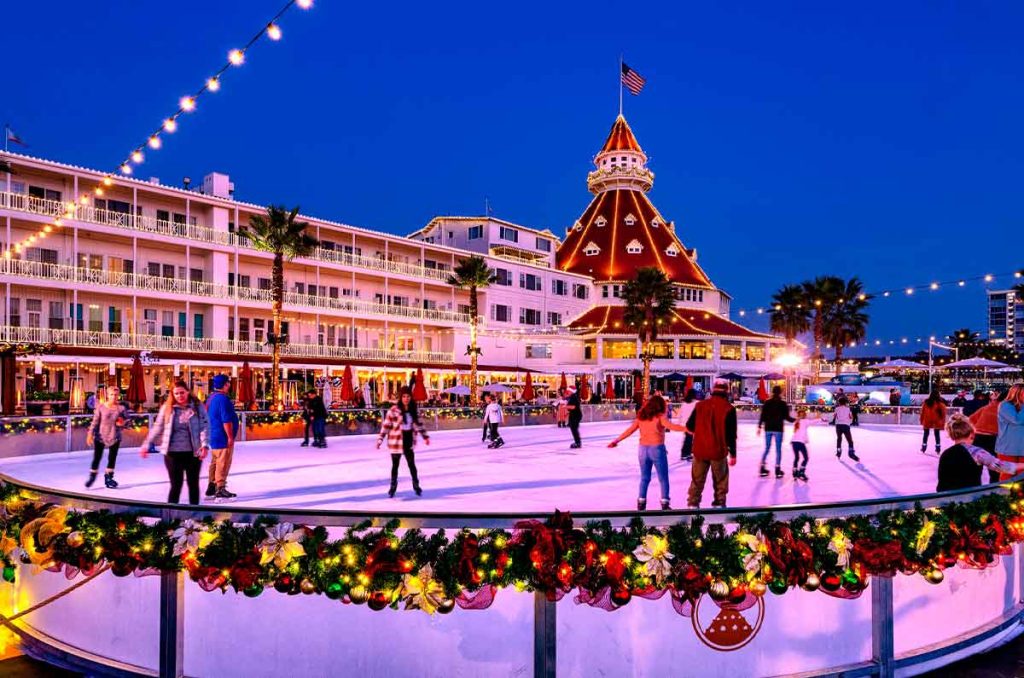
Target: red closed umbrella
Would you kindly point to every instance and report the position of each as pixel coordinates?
(244, 391)
(347, 393)
(689, 384)
(584, 389)
(136, 384)
(528, 393)
(609, 387)
(419, 391)
(762, 390)
(564, 385)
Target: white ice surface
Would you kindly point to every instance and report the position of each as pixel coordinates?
(535, 471)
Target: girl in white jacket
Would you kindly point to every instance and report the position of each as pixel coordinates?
(682, 412)
(493, 418)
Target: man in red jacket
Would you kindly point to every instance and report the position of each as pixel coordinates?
(713, 426)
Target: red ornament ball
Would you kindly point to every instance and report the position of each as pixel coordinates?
(122, 567)
(738, 594)
(831, 582)
(378, 601)
(621, 597)
(284, 584)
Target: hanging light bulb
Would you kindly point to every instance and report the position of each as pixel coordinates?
(988, 278)
(188, 104)
(213, 84)
(98, 191)
(274, 32)
(304, 4)
(962, 283)
(84, 200)
(934, 286)
(126, 168)
(137, 156)
(107, 181)
(170, 124)
(154, 142)
(236, 57)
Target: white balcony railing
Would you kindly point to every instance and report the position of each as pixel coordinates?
(89, 214)
(138, 281)
(200, 348)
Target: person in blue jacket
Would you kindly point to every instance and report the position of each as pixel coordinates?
(220, 410)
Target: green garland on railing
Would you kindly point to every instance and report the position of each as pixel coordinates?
(606, 566)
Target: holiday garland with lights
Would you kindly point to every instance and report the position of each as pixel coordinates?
(606, 566)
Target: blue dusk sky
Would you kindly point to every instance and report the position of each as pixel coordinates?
(789, 139)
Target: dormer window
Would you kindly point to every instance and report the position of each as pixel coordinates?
(591, 250)
(577, 226)
(655, 222)
(630, 220)
(672, 250)
(600, 222)
(634, 247)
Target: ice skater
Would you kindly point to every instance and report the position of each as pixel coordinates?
(493, 418)
(933, 418)
(108, 421)
(575, 408)
(774, 415)
(713, 425)
(401, 425)
(681, 415)
(318, 415)
(798, 441)
(220, 410)
(843, 419)
(652, 422)
(181, 432)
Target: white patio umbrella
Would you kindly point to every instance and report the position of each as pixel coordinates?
(976, 363)
(496, 388)
(899, 364)
(458, 390)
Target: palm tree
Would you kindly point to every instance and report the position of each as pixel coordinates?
(965, 341)
(791, 315)
(845, 321)
(649, 300)
(472, 274)
(821, 294)
(280, 234)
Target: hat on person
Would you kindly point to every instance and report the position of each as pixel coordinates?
(720, 385)
(570, 390)
(220, 381)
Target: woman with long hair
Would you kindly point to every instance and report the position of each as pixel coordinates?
(181, 432)
(933, 418)
(401, 425)
(108, 421)
(652, 422)
(1010, 440)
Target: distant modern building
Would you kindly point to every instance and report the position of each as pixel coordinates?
(1006, 319)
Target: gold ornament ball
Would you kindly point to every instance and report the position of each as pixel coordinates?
(812, 582)
(446, 606)
(75, 539)
(358, 594)
(758, 587)
(934, 576)
(307, 586)
(719, 590)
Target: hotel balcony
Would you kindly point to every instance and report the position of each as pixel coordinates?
(64, 274)
(200, 348)
(21, 202)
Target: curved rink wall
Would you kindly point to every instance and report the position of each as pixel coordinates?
(113, 624)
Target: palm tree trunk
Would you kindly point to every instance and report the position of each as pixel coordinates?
(275, 347)
(472, 346)
(839, 358)
(646, 386)
(818, 341)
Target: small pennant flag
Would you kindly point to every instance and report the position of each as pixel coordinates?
(633, 81)
(14, 138)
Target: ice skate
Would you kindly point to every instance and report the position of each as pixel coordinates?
(779, 473)
(108, 480)
(764, 471)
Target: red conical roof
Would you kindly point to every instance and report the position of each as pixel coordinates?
(621, 231)
(621, 138)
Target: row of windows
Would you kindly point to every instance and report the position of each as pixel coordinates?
(91, 318)
(508, 234)
(688, 350)
(535, 283)
(633, 247)
(502, 313)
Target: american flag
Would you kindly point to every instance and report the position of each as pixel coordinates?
(633, 81)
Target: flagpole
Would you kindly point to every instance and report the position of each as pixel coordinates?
(620, 84)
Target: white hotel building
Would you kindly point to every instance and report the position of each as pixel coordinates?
(153, 268)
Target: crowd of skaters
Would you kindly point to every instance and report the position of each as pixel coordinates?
(989, 433)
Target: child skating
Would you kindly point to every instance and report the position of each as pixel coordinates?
(493, 418)
(799, 442)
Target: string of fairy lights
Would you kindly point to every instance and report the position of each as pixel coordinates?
(270, 30)
(905, 291)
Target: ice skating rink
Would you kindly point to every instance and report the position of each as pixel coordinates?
(534, 471)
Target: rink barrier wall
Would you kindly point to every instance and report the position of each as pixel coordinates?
(884, 661)
(29, 435)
